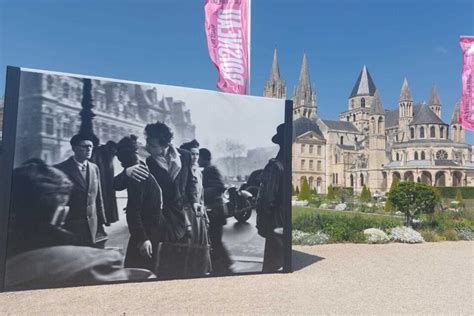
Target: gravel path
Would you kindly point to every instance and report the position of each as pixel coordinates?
(435, 278)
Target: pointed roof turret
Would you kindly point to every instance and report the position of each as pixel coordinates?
(434, 98)
(304, 82)
(364, 84)
(405, 94)
(456, 114)
(377, 107)
(275, 74)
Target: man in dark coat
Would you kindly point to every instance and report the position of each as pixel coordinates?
(270, 207)
(86, 206)
(213, 189)
(171, 168)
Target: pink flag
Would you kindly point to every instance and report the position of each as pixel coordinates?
(467, 100)
(227, 26)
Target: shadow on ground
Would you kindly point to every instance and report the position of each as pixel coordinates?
(301, 260)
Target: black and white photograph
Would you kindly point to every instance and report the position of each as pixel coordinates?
(116, 180)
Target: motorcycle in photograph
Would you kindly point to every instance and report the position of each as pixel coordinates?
(240, 202)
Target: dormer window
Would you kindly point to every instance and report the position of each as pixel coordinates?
(412, 133)
(422, 132)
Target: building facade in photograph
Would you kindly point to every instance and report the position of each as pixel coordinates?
(53, 104)
(369, 145)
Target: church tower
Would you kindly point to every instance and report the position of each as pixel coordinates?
(275, 87)
(405, 112)
(304, 98)
(435, 103)
(360, 100)
(377, 143)
(457, 132)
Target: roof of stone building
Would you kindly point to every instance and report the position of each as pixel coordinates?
(456, 114)
(391, 118)
(425, 141)
(377, 107)
(425, 116)
(346, 147)
(364, 84)
(434, 97)
(445, 163)
(303, 125)
(340, 126)
(405, 94)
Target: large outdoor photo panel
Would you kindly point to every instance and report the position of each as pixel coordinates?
(107, 180)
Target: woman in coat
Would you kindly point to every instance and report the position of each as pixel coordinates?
(144, 206)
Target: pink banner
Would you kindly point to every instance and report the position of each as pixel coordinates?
(467, 100)
(227, 39)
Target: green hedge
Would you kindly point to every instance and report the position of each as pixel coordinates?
(450, 192)
(340, 226)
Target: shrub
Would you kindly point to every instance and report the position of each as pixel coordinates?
(465, 234)
(450, 192)
(305, 193)
(365, 195)
(357, 237)
(406, 235)
(451, 234)
(376, 236)
(331, 193)
(298, 236)
(430, 235)
(459, 197)
(319, 238)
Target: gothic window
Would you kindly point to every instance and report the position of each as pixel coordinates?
(302, 148)
(416, 155)
(379, 126)
(352, 103)
(319, 165)
(362, 103)
(354, 117)
(50, 82)
(423, 155)
(398, 156)
(412, 133)
(432, 132)
(302, 164)
(441, 132)
(319, 150)
(310, 182)
(361, 180)
(311, 165)
(65, 90)
(422, 132)
(342, 140)
(348, 118)
(49, 126)
(311, 149)
(441, 155)
(337, 178)
(372, 123)
(335, 158)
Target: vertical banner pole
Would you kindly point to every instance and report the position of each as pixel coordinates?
(249, 40)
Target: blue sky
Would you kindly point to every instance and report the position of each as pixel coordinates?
(163, 41)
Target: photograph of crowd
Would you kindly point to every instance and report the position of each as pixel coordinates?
(122, 181)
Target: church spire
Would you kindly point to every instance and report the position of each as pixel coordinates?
(435, 103)
(377, 106)
(364, 85)
(456, 114)
(275, 74)
(405, 94)
(275, 87)
(304, 98)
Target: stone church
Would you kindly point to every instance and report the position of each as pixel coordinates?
(369, 145)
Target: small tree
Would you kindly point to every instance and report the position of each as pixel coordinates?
(413, 199)
(459, 197)
(388, 205)
(365, 195)
(297, 191)
(331, 193)
(305, 193)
